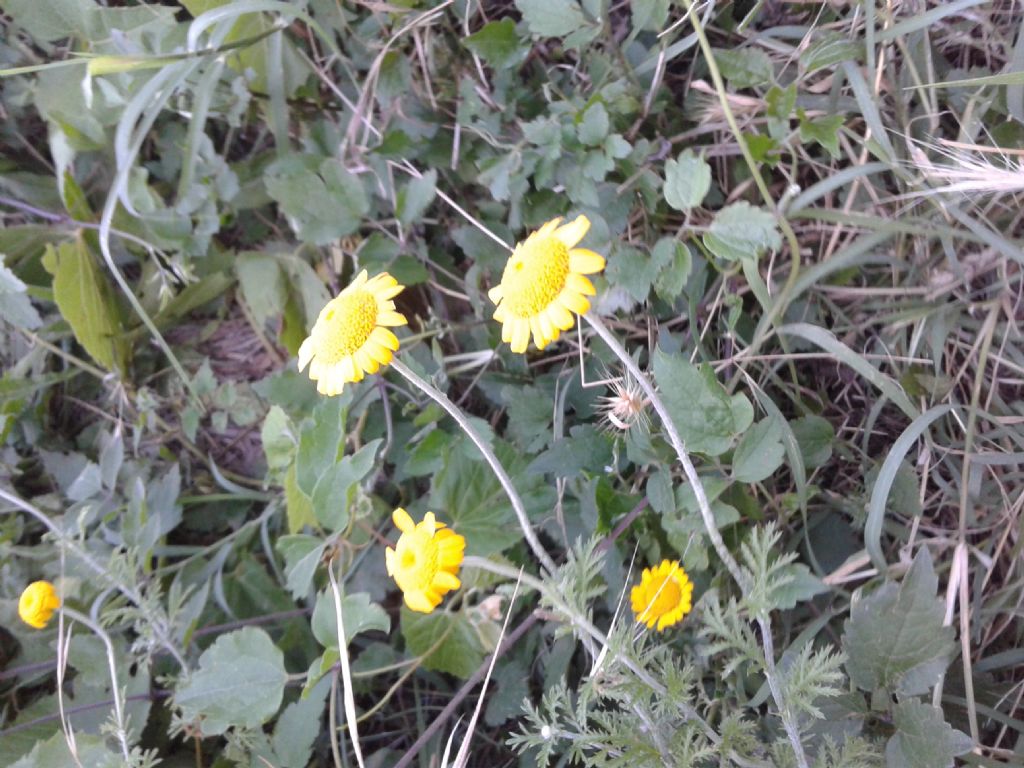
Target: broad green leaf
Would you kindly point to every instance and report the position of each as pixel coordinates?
(551, 18)
(660, 493)
(814, 435)
(15, 306)
(302, 556)
(823, 131)
(333, 493)
(415, 197)
(468, 497)
(321, 199)
(895, 640)
(92, 751)
(744, 67)
(741, 231)
(829, 49)
(263, 285)
(593, 126)
(298, 726)
(239, 683)
(635, 271)
(49, 20)
(357, 613)
(687, 180)
(923, 739)
(86, 301)
(706, 417)
(447, 641)
(759, 453)
(673, 276)
(649, 15)
(497, 43)
(321, 442)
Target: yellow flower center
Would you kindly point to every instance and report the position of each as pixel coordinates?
(347, 323)
(417, 561)
(666, 600)
(534, 276)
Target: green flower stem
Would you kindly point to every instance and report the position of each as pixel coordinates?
(115, 687)
(499, 471)
(771, 673)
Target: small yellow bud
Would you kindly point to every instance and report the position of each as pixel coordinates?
(37, 604)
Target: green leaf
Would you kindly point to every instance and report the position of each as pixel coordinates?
(829, 49)
(262, 282)
(321, 199)
(687, 181)
(923, 739)
(497, 43)
(415, 197)
(86, 301)
(332, 495)
(585, 450)
(823, 131)
(814, 435)
(297, 504)
(706, 417)
(53, 753)
(458, 648)
(298, 727)
(357, 613)
(302, 556)
(321, 443)
(744, 67)
(15, 306)
(239, 683)
(673, 276)
(895, 640)
(278, 437)
(649, 15)
(551, 18)
(468, 497)
(593, 126)
(50, 20)
(759, 452)
(741, 231)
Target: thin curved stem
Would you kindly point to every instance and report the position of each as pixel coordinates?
(346, 672)
(770, 671)
(499, 471)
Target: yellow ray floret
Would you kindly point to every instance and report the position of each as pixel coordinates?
(350, 337)
(663, 596)
(543, 284)
(37, 604)
(425, 562)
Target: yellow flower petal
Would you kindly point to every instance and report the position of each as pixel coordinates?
(570, 234)
(402, 520)
(664, 595)
(585, 262)
(37, 603)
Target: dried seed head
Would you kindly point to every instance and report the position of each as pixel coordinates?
(626, 407)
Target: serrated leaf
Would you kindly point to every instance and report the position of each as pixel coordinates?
(321, 199)
(823, 131)
(333, 492)
(458, 648)
(923, 739)
(593, 126)
(298, 726)
(15, 306)
(649, 15)
(467, 496)
(357, 613)
(829, 49)
(744, 67)
(239, 683)
(895, 640)
(496, 43)
(741, 231)
(687, 181)
(551, 18)
(86, 301)
(320, 443)
(415, 197)
(759, 453)
(706, 417)
(673, 276)
(278, 438)
(90, 750)
(299, 506)
(584, 450)
(302, 555)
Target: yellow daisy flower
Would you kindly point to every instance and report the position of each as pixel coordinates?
(37, 604)
(663, 596)
(544, 283)
(350, 337)
(425, 561)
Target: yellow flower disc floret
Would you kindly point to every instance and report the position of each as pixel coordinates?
(37, 604)
(543, 284)
(425, 562)
(663, 596)
(350, 337)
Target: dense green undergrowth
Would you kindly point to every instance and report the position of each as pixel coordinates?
(810, 215)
